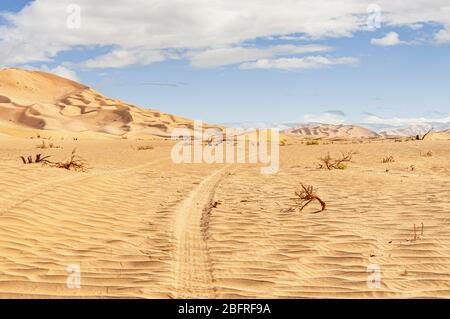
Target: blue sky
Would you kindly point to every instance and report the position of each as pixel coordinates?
(347, 76)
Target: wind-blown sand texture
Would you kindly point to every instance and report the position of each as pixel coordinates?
(141, 226)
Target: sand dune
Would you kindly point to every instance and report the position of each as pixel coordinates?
(331, 131)
(39, 100)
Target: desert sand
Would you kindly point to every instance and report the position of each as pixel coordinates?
(141, 226)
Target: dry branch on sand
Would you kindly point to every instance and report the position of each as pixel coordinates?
(144, 148)
(75, 162)
(424, 136)
(416, 237)
(327, 162)
(44, 145)
(388, 159)
(313, 142)
(427, 154)
(304, 195)
(38, 159)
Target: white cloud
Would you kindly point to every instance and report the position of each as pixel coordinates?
(119, 58)
(400, 122)
(234, 55)
(391, 39)
(60, 70)
(65, 73)
(309, 62)
(145, 31)
(443, 36)
(329, 117)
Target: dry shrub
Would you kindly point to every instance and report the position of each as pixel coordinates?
(388, 159)
(327, 162)
(38, 159)
(426, 134)
(44, 145)
(75, 163)
(144, 148)
(427, 154)
(304, 195)
(417, 237)
(313, 142)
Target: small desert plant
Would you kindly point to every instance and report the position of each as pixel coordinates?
(38, 159)
(44, 145)
(427, 154)
(75, 162)
(313, 142)
(425, 135)
(327, 162)
(388, 159)
(144, 148)
(304, 195)
(416, 237)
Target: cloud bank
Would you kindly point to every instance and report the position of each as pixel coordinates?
(208, 33)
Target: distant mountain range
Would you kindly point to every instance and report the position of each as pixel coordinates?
(332, 131)
(317, 130)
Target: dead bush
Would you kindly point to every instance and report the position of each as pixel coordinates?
(313, 142)
(38, 159)
(75, 163)
(44, 145)
(416, 237)
(388, 159)
(327, 162)
(144, 148)
(427, 154)
(304, 195)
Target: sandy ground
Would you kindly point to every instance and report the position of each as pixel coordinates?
(141, 226)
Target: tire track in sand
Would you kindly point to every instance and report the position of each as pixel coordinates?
(193, 273)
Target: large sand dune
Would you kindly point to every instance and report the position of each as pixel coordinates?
(39, 100)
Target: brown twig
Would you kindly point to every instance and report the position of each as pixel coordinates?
(75, 162)
(329, 163)
(304, 196)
